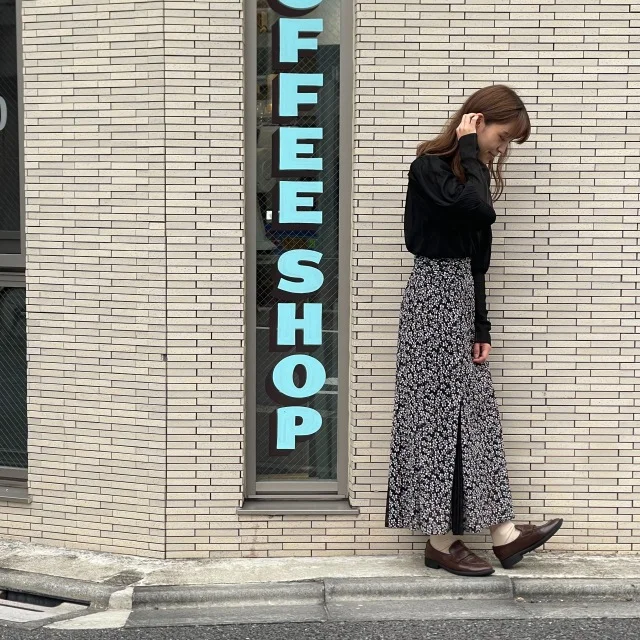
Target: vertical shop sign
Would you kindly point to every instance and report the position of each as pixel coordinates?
(295, 322)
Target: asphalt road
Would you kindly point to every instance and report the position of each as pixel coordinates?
(581, 629)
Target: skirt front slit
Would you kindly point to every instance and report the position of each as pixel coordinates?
(457, 498)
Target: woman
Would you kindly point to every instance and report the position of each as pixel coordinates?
(447, 472)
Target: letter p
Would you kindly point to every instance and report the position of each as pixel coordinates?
(295, 422)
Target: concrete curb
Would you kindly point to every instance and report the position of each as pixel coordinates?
(81, 591)
(322, 592)
(573, 588)
(344, 590)
(419, 588)
(236, 595)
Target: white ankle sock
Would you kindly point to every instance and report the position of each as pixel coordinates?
(442, 543)
(504, 533)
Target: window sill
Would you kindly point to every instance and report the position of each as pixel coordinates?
(297, 506)
(14, 494)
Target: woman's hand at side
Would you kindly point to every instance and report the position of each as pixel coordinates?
(481, 351)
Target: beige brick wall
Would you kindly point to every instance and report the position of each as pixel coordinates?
(95, 207)
(137, 137)
(562, 285)
(205, 255)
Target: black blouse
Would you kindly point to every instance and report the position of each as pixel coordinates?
(445, 218)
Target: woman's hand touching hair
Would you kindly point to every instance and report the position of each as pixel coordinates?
(468, 124)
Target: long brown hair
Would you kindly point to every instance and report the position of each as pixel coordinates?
(498, 104)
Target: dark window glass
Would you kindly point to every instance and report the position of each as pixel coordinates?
(13, 378)
(10, 222)
(314, 457)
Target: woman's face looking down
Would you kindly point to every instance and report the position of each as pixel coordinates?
(493, 139)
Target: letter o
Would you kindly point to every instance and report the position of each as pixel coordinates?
(283, 376)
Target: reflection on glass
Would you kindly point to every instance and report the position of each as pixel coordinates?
(313, 458)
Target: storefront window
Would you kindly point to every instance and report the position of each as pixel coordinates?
(298, 87)
(13, 378)
(13, 348)
(10, 218)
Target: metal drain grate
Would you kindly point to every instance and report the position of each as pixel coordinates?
(18, 606)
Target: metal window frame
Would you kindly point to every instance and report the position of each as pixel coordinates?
(307, 490)
(12, 278)
(13, 480)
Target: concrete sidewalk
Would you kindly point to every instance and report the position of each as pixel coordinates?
(262, 589)
(124, 570)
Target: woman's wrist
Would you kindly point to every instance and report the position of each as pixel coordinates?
(468, 145)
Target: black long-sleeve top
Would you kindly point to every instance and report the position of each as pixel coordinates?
(445, 218)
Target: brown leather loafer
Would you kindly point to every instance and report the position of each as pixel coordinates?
(460, 560)
(530, 538)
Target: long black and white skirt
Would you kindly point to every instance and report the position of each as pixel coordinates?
(447, 466)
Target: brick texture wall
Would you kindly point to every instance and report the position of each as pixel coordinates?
(205, 254)
(135, 163)
(562, 286)
(95, 208)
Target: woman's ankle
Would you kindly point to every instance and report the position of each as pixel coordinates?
(504, 533)
(442, 543)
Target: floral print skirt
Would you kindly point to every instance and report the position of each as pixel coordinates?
(447, 468)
